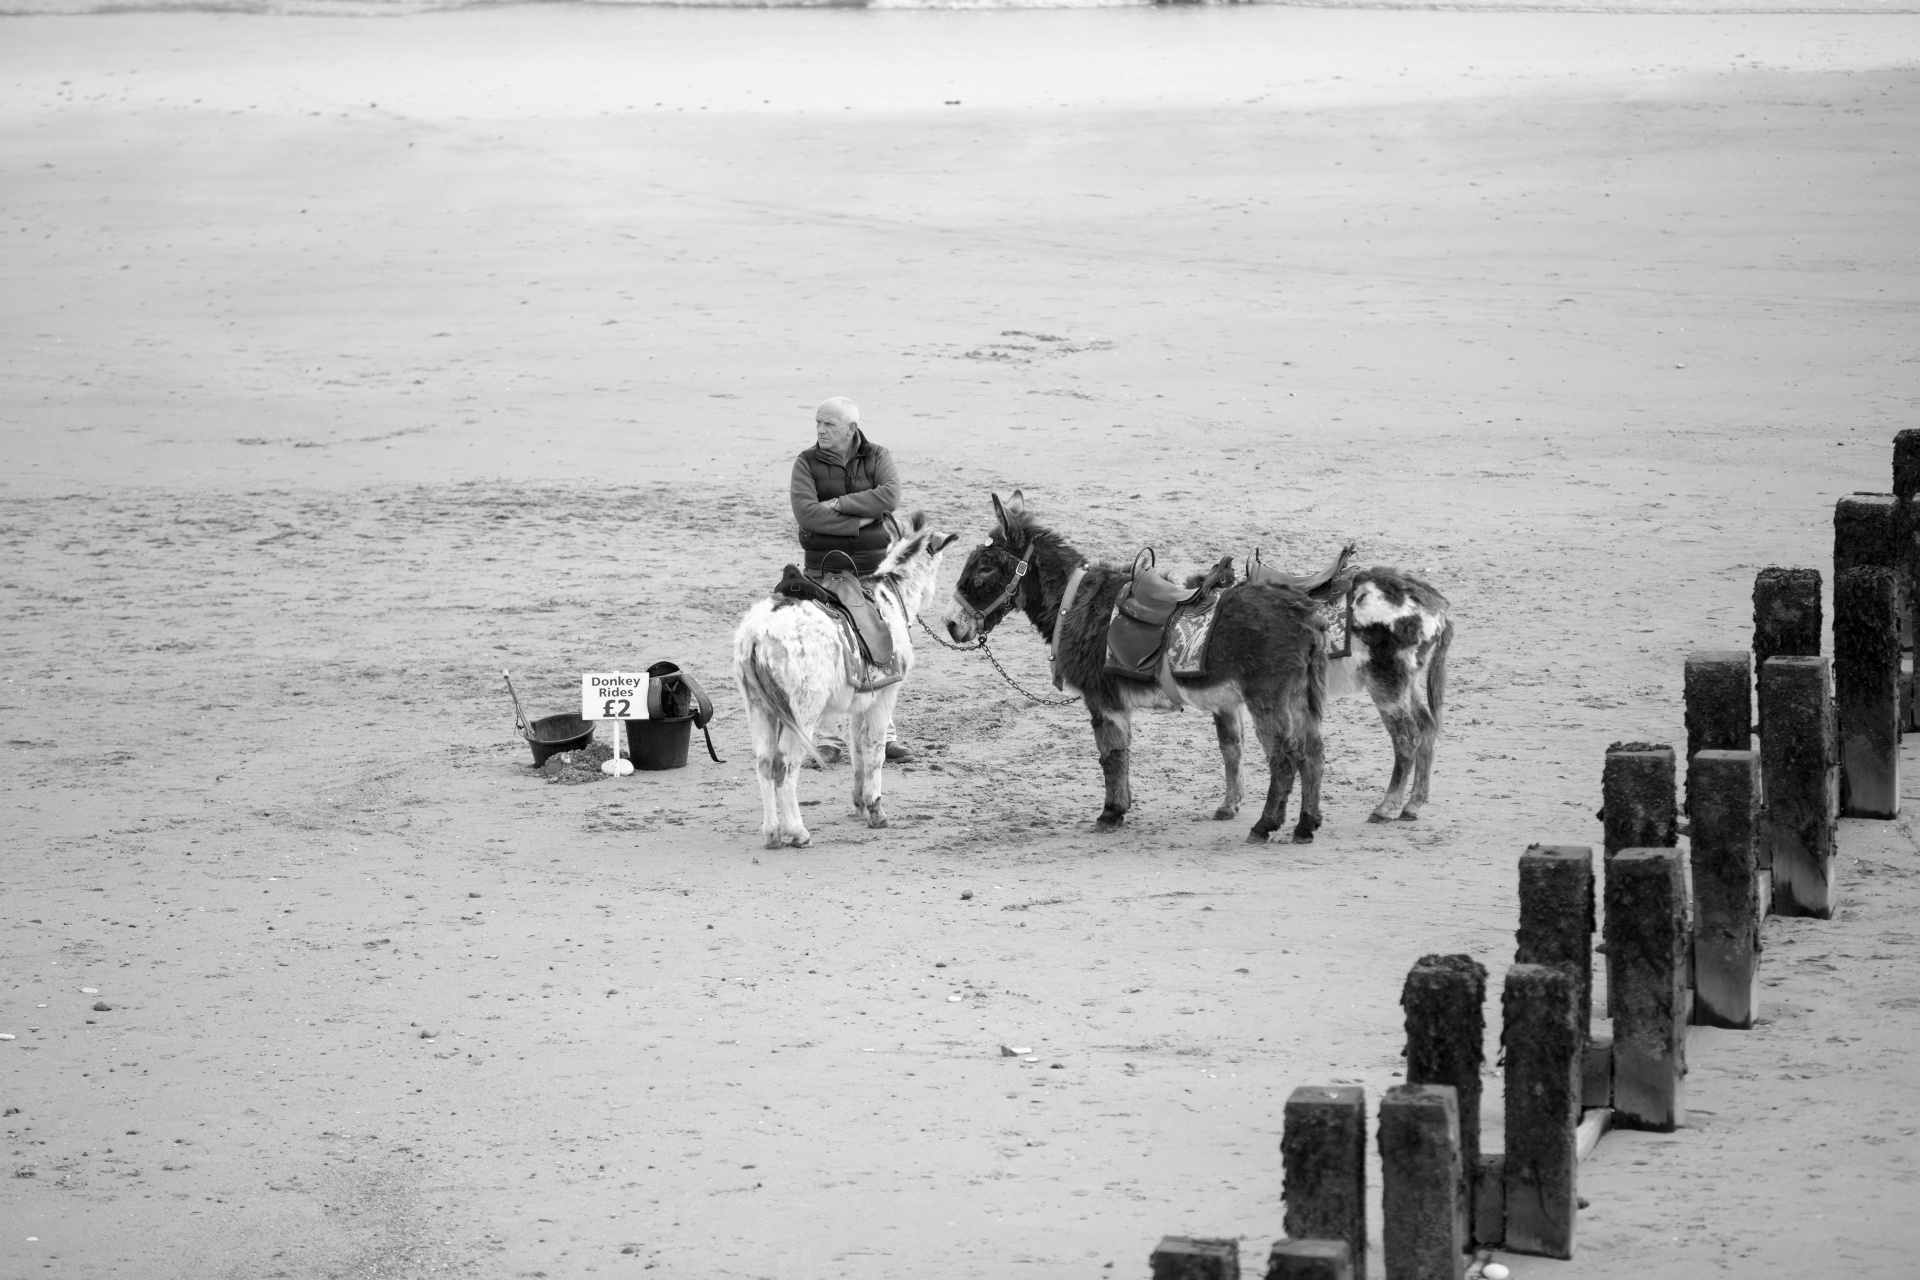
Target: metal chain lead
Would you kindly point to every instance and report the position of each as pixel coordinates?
(981, 645)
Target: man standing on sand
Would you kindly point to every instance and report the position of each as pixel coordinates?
(844, 492)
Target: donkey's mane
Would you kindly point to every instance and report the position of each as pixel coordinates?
(1032, 533)
(1050, 550)
(919, 529)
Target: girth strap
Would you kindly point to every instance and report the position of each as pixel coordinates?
(1059, 618)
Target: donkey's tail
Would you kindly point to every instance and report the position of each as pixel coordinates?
(1437, 676)
(1317, 676)
(760, 688)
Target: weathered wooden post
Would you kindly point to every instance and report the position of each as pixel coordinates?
(1310, 1260)
(1786, 614)
(1725, 786)
(1719, 700)
(1646, 913)
(1556, 915)
(1323, 1152)
(1865, 532)
(1866, 680)
(1801, 783)
(1445, 1000)
(1541, 1036)
(1637, 796)
(1638, 810)
(1421, 1230)
(1186, 1258)
(1906, 516)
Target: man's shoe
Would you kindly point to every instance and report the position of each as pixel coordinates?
(898, 752)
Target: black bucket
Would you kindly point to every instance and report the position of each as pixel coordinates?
(550, 735)
(659, 744)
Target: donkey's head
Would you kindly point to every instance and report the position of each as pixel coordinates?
(913, 561)
(990, 582)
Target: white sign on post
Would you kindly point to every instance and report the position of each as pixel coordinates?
(613, 696)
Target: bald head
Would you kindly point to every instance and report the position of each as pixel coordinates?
(834, 422)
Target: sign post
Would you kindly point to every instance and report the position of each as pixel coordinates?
(615, 696)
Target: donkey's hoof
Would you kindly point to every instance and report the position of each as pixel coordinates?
(1409, 815)
(1303, 837)
(1377, 816)
(1226, 812)
(800, 841)
(875, 818)
(774, 839)
(1109, 821)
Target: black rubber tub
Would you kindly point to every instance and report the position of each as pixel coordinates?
(550, 735)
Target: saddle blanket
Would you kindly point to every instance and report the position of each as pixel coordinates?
(1182, 647)
(865, 676)
(1337, 613)
(1187, 636)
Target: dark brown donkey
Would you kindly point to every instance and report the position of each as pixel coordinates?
(1268, 654)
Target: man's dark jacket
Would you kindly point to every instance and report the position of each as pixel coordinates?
(869, 489)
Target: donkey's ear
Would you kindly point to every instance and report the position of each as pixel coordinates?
(1017, 504)
(1000, 514)
(937, 544)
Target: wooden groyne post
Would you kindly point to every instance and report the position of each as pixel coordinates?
(1421, 1220)
(1638, 809)
(1445, 1001)
(1647, 934)
(1800, 777)
(1866, 688)
(1323, 1156)
(1541, 1036)
(1727, 895)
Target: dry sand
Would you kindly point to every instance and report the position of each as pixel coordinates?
(351, 361)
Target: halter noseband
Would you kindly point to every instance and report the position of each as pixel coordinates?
(981, 616)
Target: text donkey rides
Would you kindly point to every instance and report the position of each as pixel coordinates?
(1261, 644)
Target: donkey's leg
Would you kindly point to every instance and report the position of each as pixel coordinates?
(786, 773)
(1430, 696)
(1427, 737)
(1112, 732)
(856, 722)
(1309, 754)
(766, 746)
(1226, 725)
(868, 737)
(1280, 771)
(1403, 730)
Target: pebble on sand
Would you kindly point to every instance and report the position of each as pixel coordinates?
(101, 1006)
(6, 1035)
(965, 894)
(89, 991)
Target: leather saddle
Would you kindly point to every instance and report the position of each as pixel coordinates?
(1329, 584)
(839, 588)
(1137, 633)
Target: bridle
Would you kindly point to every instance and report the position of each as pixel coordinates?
(985, 619)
